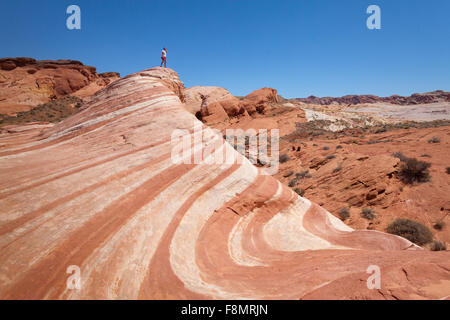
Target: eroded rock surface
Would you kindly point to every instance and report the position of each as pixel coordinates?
(101, 192)
(26, 82)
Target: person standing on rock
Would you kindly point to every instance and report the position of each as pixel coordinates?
(164, 57)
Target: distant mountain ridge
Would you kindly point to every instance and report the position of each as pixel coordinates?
(416, 98)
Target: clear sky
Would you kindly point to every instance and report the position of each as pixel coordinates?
(300, 47)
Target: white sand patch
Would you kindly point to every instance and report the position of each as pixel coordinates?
(419, 112)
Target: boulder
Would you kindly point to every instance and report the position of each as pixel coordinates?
(259, 100)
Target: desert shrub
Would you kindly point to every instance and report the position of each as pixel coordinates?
(344, 214)
(303, 174)
(447, 170)
(293, 182)
(368, 214)
(338, 147)
(338, 168)
(413, 170)
(439, 225)
(426, 155)
(288, 174)
(299, 191)
(261, 162)
(314, 144)
(284, 158)
(52, 111)
(411, 230)
(326, 148)
(400, 155)
(438, 246)
(330, 156)
(434, 140)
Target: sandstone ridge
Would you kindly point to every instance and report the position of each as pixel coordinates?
(99, 192)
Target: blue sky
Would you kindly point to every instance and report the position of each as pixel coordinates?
(300, 47)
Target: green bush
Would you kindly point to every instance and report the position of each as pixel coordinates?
(411, 230)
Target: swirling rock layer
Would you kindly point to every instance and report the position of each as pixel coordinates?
(101, 192)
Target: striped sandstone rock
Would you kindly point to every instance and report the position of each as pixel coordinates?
(100, 191)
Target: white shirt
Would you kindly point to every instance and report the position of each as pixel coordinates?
(164, 53)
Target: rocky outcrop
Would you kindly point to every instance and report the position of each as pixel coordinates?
(168, 78)
(359, 168)
(215, 105)
(259, 100)
(212, 105)
(423, 98)
(100, 193)
(194, 96)
(26, 82)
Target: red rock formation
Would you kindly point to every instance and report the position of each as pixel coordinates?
(194, 95)
(259, 100)
(213, 104)
(26, 82)
(100, 191)
(217, 105)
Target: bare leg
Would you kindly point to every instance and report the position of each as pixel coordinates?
(162, 61)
